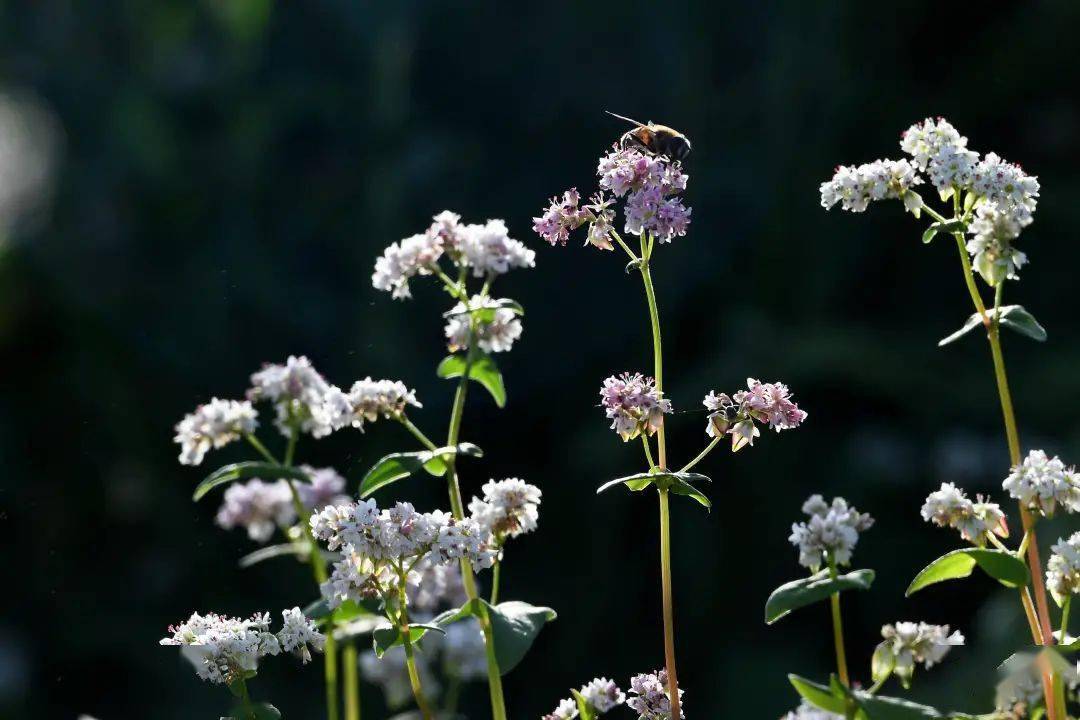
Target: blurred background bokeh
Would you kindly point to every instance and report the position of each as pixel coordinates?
(189, 189)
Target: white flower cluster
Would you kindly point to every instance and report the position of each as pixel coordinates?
(649, 696)
(806, 711)
(298, 392)
(855, 187)
(600, 694)
(633, 404)
(831, 532)
(735, 415)
(260, 507)
(509, 508)
(1004, 196)
(225, 648)
(908, 643)
(375, 542)
(487, 249)
(433, 585)
(215, 424)
(951, 507)
(368, 400)
(1041, 484)
(495, 335)
(1063, 568)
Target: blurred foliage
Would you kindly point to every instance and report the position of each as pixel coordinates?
(231, 169)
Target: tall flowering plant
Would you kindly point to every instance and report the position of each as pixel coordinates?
(384, 572)
(650, 189)
(987, 203)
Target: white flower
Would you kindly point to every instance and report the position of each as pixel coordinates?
(649, 696)
(1042, 483)
(489, 250)
(951, 168)
(368, 400)
(567, 710)
(510, 508)
(298, 391)
(950, 507)
(223, 648)
(832, 531)
(925, 140)
(602, 694)
(1008, 186)
(806, 711)
(909, 643)
(633, 404)
(325, 486)
(1063, 569)
(856, 187)
(415, 255)
(495, 335)
(257, 506)
(215, 424)
(992, 253)
(297, 632)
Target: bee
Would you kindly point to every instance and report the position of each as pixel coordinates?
(653, 138)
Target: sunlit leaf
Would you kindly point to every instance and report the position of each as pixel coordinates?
(385, 637)
(482, 370)
(396, 466)
(1013, 317)
(818, 695)
(1003, 566)
(806, 591)
(245, 471)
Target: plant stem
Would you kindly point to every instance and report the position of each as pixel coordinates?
(624, 246)
(838, 629)
(245, 700)
(453, 693)
(701, 455)
(495, 582)
(416, 432)
(352, 680)
(260, 448)
(669, 610)
(1012, 437)
(410, 660)
(648, 451)
(665, 512)
(1065, 619)
(498, 703)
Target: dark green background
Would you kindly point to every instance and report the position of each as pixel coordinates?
(232, 169)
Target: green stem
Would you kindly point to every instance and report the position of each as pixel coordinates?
(453, 693)
(260, 448)
(1065, 619)
(245, 700)
(498, 702)
(416, 432)
(701, 455)
(410, 658)
(495, 582)
(622, 243)
(658, 354)
(669, 608)
(648, 450)
(352, 680)
(838, 630)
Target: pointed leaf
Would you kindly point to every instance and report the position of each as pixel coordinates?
(483, 370)
(799, 593)
(664, 480)
(391, 468)
(882, 662)
(245, 471)
(1004, 567)
(878, 707)
(296, 549)
(818, 695)
(970, 324)
(1017, 319)
(585, 711)
(515, 626)
(385, 637)
(679, 486)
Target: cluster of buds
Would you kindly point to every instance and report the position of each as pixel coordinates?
(633, 404)
(650, 696)
(213, 425)
(1042, 484)
(908, 643)
(495, 332)
(951, 507)
(831, 532)
(735, 415)
(509, 508)
(1063, 568)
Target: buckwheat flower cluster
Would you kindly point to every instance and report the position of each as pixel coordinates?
(325, 486)
(434, 585)
(990, 247)
(1042, 483)
(567, 710)
(415, 255)
(223, 649)
(769, 403)
(951, 507)
(909, 643)
(489, 250)
(855, 187)
(564, 216)
(806, 711)
(602, 694)
(496, 334)
(508, 509)
(213, 425)
(368, 400)
(1063, 569)
(649, 696)
(261, 507)
(633, 404)
(299, 394)
(831, 532)
(374, 542)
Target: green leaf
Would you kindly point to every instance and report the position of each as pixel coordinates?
(483, 370)
(818, 695)
(515, 626)
(878, 707)
(882, 662)
(1004, 567)
(633, 265)
(585, 711)
(929, 234)
(385, 637)
(1016, 318)
(262, 711)
(678, 482)
(244, 471)
(297, 550)
(799, 593)
(396, 466)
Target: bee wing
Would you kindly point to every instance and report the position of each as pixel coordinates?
(623, 117)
